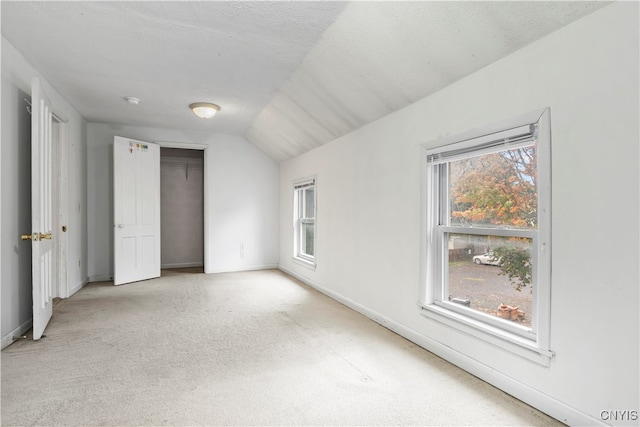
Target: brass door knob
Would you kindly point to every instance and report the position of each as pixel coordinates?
(36, 237)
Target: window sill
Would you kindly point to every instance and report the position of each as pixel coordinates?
(306, 263)
(510, 342)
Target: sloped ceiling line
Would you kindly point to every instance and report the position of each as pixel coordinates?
(378, 57)
(290, 76)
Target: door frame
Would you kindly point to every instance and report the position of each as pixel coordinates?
(205, 189)
(60, 216)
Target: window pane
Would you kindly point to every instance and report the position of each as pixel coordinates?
(491, 274)
(495, 190)
(309, 203)
(308, 230)
(299, 205)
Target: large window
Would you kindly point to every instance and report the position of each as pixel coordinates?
(304, 212)
(487, 232)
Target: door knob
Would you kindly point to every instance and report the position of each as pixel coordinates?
(36, 237)
(120, 225)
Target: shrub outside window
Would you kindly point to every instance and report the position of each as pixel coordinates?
(486, 239)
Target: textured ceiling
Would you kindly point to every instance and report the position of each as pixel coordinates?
(169, 54)
(290, 76)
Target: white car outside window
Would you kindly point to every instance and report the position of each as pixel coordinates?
(489, 259)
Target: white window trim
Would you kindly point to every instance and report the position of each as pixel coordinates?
(301, 258)
(533, 345)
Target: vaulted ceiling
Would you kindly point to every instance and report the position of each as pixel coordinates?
(289, 76)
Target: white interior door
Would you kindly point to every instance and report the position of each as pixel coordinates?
(136, 202)
(41, 212)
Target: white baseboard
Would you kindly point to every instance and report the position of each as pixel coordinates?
(20, 330)
(244, 268)
(533, 397)
(182, 265)
(100, 278)
(78, 286)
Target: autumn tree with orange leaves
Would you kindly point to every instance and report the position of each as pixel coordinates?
(497, 190)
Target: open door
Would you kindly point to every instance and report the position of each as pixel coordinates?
(136, 202)
(41, 212)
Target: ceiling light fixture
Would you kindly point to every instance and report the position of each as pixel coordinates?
(204, 110)
(132, 100)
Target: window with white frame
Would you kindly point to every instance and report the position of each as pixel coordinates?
(486, 264)
(304, 212)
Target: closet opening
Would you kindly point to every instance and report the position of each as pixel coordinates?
(182, 210)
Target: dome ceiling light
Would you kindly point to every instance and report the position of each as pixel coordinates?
(204, 110)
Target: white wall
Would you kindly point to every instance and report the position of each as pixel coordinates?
(16, 191)
(368, 219)
(242, 201)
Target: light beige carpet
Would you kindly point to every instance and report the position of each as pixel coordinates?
(251, 348)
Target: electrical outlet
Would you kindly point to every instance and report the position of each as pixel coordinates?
(241, 250)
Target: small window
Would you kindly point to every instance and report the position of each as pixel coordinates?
(304, 213)
(487, 238)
